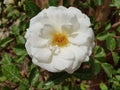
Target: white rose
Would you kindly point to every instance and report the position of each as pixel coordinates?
(59, 39)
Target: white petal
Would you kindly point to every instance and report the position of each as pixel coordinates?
(28, 47)
(43, 55)
(89, 32)
(47, 31)
(34, 30)
(61, 63)
(37, 42)
(84, 37)
(86, 59)
(74, 11)
(39, 17)
(84, 22)
(80, 39)
(82, 18)
(80, 54)
(66, 53)
(75, 23)
(47, 66)
(68, 28)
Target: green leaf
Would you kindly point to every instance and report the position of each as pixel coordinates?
(55, 79)
(58, 77)
(5, 88)
(117, 77)
(6, 59)
(20, 40)
(102, 36)
(96, 67)
(31, 8)
(11, 73)
(99, 52)
(84, 86)
(5, 42)
(48, 85)
(118, 42)
(116, 57)
(25, 85)
(110, 43)
(108, 69)
(19, 59)
(66, 3)
(15, 30)
(53, 2)
(115, 3)
(40, 85)
(103, 86)
(20, 49)
(34, 76)
(2, 78)
(108, 26)
(84, 74)
(98, 2)
(118, 29)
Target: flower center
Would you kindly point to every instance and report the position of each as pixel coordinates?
(60, 39)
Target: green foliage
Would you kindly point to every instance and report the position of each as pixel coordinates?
(15, 30)
(115, 3)
(103, 86)
(6, 59)
(52, 2)
(20, 49)
(4, 42)
(34, 76)
(11, 72)
(66, 3)
(84, 74)
(31, 8)
(109, 70)
(98, 2)
(96, 67)
(116, 57)
(110, 43)
(58, 77)
(99, 53)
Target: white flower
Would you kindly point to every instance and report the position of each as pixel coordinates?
(59, 39)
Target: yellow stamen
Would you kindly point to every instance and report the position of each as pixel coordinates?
(60, 39)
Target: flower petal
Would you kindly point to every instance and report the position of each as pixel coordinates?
(84, 37)
(80, 54)
(78, 41)
(47, 66)
(66, 53)
(38, 42)
(75, 23)
(82, 18)
(33, 30)
(28, 48)
(67, 28)
(61, 63)
(43, 55)
(47, 31)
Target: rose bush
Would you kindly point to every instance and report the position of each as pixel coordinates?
(59, 39)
